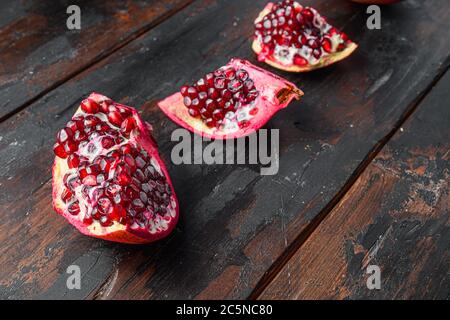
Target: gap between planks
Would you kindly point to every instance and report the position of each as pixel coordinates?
(304, 235)
(130, 38)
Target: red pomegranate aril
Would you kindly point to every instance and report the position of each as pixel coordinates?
(74, 208)
(91, 121)
(72, 125)
(187, 101)
(79, 136)
(209, 78)
(64, 135)
(220, 83)
(193, 112)
(107, 142)
(217, 114)
(213, 93)
(59, 150)
(70, 147)
(201, 85)
(90, 106)
(66, 195)
(196, 104)
(115, 118)
(192, 92)
(230, 73)
(105, 221)
(210, 105)
(138, 205)
(326, 45)
(210, 122)
(298, 60)
(73, 161)
(123, 179)
(128, 125)
(184, 90)
(105, 206)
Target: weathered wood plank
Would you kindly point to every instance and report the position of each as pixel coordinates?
(395, 216)
(235, 223)
(38, 52)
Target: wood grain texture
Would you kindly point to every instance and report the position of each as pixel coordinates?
(235, 223)
(395, 216)
(38, 52)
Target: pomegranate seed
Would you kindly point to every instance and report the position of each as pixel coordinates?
(217, 114)
(209, 78)
(242, 75)
(187, 101)
(70, 147)
(105, 206)
(220, 83)
(115, 118)
(127, 125)
(79, 136)
(213, 93)
(201, 85)
(64, 135)
(193, 112)
(138, 205)
(298, 60)
(90, 106)
(192, 92)
(235, 85)
(123, 179)
(59, 151)
(226, 94)
(210, 105)
(196, 104)
(307, 15)
(230, 73)
(105, 222)
(107, 142)
(91, 121)
(73, 161)
(202, 96)
(210, 122)
(184, 90)
(66, 195)
(74, 208)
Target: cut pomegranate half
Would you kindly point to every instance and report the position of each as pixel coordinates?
(108, 178)
(298, 39)
(231, 102)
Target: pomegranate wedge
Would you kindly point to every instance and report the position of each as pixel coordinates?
(231, 102)
(108, 178)
(298, 39)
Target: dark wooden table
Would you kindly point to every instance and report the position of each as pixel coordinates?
(364, 157)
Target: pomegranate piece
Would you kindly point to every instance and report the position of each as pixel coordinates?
(108, 178)
(294, 38)
(231, 102)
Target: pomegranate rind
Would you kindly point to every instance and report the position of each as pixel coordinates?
(323, 62)
(276, 93)
(117, 232)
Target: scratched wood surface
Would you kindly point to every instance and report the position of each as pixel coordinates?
(38, 52)
(395, 216)
(237, 228)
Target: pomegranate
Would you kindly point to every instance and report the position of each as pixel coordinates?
(108, 178)
(231, 102)
(294, 38)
